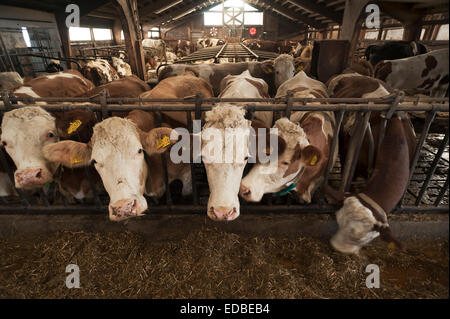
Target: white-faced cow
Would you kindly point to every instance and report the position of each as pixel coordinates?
(307, 137)
(426, 73)
(363, 215)
(123, 69)
(225, 153)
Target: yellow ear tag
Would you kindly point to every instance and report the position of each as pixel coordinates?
(76, 160)
(74, 126)
(300, 67)
(313, 160)
(270, 70)
(163, 142)
(391, 245)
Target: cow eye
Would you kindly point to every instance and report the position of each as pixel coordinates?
(93, 161)
(285, 163)
(4, 143)
(50, 135)
(140, 151)
(246, 158)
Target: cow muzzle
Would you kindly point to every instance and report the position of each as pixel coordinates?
(123, 209)
(223, 213)
(31, 178)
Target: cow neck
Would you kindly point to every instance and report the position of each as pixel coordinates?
(378, 212)
(290, 185)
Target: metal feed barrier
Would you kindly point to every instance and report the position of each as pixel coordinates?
(427, 186)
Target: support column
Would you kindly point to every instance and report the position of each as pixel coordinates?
(412, 31)
(117, 28)
(128, 14)
(352, 23)
(65, 39)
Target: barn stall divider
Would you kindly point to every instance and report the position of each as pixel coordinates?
(428, 182)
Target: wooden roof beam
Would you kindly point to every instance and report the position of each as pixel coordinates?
(294, 15)
(318, 8)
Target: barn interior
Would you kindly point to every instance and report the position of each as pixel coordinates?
(278, 248)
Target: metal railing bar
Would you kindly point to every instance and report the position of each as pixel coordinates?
(334, 145)
(430, 151)
(432, 168)
(423, 136)
(442, 193)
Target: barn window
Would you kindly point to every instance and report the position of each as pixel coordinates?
(233, 13)
(371, 35)
(154, 33)
(26, 36)
(443, 32)
(79, 34)
(102, 34)
(422, 33)
(122, 37)
(394, 34)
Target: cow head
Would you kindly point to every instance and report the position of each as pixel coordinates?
(356, 223)
(24, 132)
(225, 149)
(277, 175)
(284, 69)
(116, 150)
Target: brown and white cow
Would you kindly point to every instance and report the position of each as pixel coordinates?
(426, 73)
(363, 216)
(209, 42)
(26, 130)
(123, 69)
(99, 72)
(68, 83)
(273, 72)
(263, 45)
(184, 48)
(307, 137)
(154, 48)
(227, 131)
(129, 86)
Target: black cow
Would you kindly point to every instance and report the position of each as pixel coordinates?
(54, 66)
(393, 51)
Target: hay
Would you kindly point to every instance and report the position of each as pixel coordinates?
(210, 263)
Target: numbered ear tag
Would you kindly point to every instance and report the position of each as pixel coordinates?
(76, 160)
(74, 126)
(300, 67)
(163, 142)
(313, 160)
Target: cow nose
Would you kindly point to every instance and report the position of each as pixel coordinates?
(123, 209)
(223, 213)
(244, 191)
(29, 178)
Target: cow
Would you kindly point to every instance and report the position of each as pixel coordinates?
(184, 48)
(68, 83)
(154, 48)
(273, 72)
(99, 71)
(54, 66)
(10, 80)
(393, 50)
(307, 138)
(363, 215)
(287, 47)
(362, 66)
(209, 42)
(129, 86)
(426, 73)
(224, 175)
(123, 69)
(26, 130)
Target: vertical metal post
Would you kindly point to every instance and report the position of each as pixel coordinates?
(442, 192)
(432, 169)
(423, 136)
(333, 146)
(191, 164)
(288, 110)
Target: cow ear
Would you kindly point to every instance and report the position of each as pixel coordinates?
(267, 66)
(295, 162)
(157, 140)
(310, 155)
(68, 153)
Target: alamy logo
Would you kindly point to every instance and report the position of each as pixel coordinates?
(73, 279)
(73, 19)
(373, 280)
(373, 18)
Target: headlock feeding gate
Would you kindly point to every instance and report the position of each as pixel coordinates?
(428, 184)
